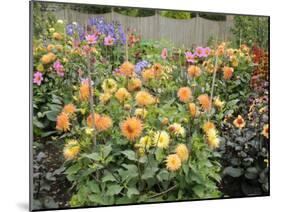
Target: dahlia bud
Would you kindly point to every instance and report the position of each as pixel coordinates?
(165, 121)
(127, 107)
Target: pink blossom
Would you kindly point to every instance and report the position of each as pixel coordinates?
(189, 57)
(164, 53)
(59, 68)
(200, 52)
(207, 51)
(38, 78)
(108, 41)
(92, 39)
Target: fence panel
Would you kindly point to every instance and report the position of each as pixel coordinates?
(188, 33)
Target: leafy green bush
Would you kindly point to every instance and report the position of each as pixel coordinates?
(251, 30)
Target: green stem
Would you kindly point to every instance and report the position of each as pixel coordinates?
(164, 192)
(213, 85)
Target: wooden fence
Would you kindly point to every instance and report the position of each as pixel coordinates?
(190, 32)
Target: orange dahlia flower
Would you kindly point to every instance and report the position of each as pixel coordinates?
(69, 109)
(127, 69)
(131, 128)
(227, 72)
(144, 98)
(184, 94)
(204, 101)
(193, 71)
(102, 123)
(63, 122)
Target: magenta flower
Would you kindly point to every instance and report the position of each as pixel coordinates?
(91, 39)
(59, 68)
(207, 51)
(189, 57)
(200, 52)
(38, 78)
(164, 53)
(108, 41)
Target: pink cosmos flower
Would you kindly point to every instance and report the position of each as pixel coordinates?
(91, 39)
(38, 78)
(207, 51)
(164, 53)
(200, 52)
(189, 57)
(59, 68)
(108, 41)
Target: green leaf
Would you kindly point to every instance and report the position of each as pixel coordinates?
(251, 173)
(54, 107)
(130, 167)
(159, 154)
(185, 168)
(52, 115)
(198, 190)
(127, 175)
(106, 150)
(56, 101)
(94, 187)
(108, 178)
(123, 200)
(73, 169)
(163, 175)
(94, 156)
(113, 190)
(96, 198)
(232, 103)
(132, 191)
(233, 172)
(45, 134)
(38, 123)
(131, 155)
(149, 173)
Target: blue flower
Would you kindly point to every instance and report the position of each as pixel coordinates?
(113, 29)
(140, 66)
(71, 29)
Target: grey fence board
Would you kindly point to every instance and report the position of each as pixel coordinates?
(188, 33)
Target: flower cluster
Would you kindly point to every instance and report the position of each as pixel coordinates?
(199, 52)
(113, 31)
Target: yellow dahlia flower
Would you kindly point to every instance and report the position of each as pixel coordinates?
(161, 139)
(182, 152)
(173, 162)
(141, 113)
(109, 86)
(104, 97)
(145, 142)
(177, 129)
(212, 138)
(71, 149)
(218, 103)
(122, 95)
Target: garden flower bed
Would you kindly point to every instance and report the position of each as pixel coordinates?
(130, 121)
